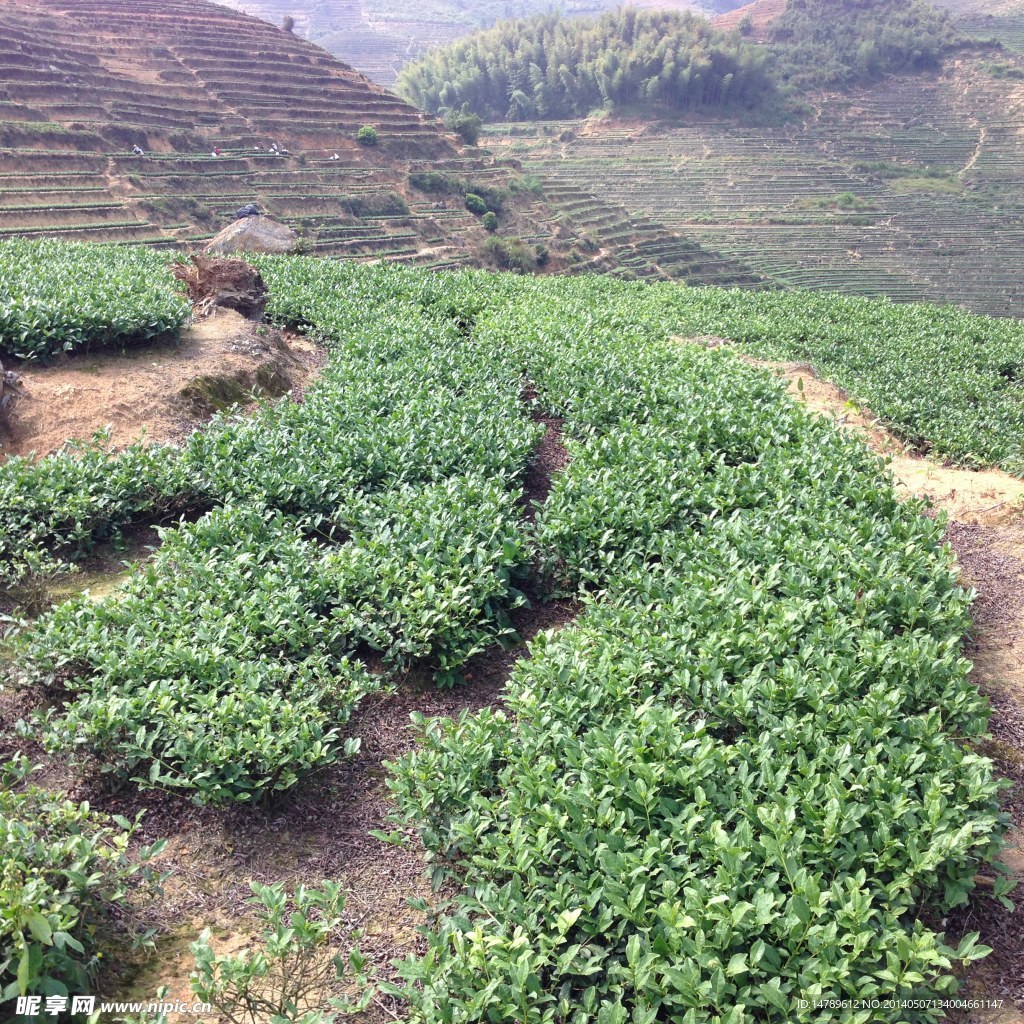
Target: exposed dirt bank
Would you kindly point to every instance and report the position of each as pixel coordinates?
(987, 496)
(160, 392)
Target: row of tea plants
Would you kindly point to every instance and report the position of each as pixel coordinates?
(376, 518)
(947, 381)
(60, 297)
(725, 793)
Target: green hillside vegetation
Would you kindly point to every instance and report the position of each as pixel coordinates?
(734, 782)
(548, 67)
(815, 44)
(379, 39)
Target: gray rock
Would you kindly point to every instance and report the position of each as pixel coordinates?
(254, 234)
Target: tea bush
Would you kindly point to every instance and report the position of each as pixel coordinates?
(61, 867)
(727, 790)
(63, 296)
(289, 974)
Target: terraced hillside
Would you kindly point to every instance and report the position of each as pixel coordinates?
(1002, 20)
(379, 38)
(989, 19)
(758, 16)
(83, 83)
(910, 188)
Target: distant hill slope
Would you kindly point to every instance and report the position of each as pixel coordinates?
(983, 19)
(753, 19)
(911, 187)
(82, 82)
(379, 38)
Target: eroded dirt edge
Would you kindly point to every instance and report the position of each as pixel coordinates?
(158, 392)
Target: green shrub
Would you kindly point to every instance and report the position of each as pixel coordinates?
(367, 135)
(511, 254)
(475, 204)
(288, 976)
(253, 702)
(493, 195)
(527, 184)
(490, 221)
(439, 182)
(465, 124)
(62, 868)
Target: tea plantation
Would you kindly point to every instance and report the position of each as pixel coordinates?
(725, 792)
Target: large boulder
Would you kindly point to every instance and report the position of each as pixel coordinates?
(254, 234)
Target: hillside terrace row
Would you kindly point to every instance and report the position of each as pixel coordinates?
(925, 187)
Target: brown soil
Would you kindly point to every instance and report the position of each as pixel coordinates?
(158, 391)
(992, 559)
(550, 457)
(231, 284)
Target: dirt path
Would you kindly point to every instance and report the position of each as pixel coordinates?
(976, 155)
(986, 497)
(986, 530)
